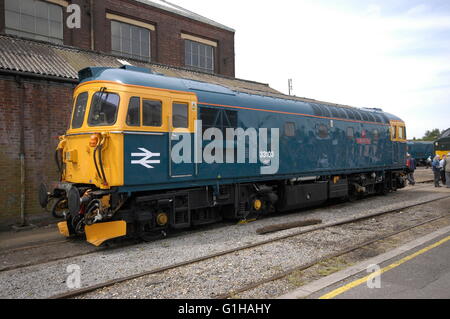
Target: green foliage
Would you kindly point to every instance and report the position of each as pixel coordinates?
(431, 135)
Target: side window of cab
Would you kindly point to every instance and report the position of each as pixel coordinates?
(151, 112)
(134, 112)
(394, 134)
(79, 110)
(180, 115)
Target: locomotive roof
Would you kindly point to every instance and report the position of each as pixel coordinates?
(222, 95)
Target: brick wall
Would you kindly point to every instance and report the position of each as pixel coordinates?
(166, 42)
(80, 38)
(46, 114)
(167, 47)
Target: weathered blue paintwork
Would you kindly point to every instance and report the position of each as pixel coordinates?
(305, 154)
(421, 150)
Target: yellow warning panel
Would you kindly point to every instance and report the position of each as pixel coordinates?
(97, 234)
(64, 229)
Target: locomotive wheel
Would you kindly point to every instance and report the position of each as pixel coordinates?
(148, 234)
(78, 224)
(353, 195)
(153, 236)
(383, 190)
(59, 207)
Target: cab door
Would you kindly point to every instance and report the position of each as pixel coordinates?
(395, 144)
(181, 138)
(145, 140)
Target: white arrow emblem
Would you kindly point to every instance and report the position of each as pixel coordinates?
(146, 156)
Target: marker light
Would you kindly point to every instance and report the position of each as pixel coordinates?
(94, 140)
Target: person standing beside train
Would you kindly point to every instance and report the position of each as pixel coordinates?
(447, 170)
(428, 162)
(411, 164)
(436, 170)
(442, 165)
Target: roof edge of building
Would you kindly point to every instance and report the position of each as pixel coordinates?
(185, 13)
(77, 49)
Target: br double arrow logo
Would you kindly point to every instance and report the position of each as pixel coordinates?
(146, 158)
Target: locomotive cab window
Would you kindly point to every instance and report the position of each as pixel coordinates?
(402, 133)
(152, 113)
(394, 134)
(104, 107)
(79, 110)
(180, 118)
(134, 112)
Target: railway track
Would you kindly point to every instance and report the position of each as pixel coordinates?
(288, 272)
(83, 291)
(91, 250)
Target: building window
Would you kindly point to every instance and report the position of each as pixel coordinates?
(199, 56)
(130, 41)
(34, 19)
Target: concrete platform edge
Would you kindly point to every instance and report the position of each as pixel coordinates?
(325, 282)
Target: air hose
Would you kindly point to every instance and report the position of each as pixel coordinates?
(101, 171)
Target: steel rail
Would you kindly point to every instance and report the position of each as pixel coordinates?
(325, 258)
(66, 241)
(82, 291)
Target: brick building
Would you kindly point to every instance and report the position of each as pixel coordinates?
(151, 31)
(40, 56)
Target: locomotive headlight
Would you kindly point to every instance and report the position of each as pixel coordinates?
(95, 138)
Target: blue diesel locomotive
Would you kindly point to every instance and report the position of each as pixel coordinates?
(146, 153)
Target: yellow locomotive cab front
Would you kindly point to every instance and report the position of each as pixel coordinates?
(90, 156)
(91, 152)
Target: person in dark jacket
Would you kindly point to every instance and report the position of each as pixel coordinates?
(436, 170)
(447, 170)
(411, 164)
(442, 164)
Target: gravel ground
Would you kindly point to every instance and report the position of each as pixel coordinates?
(226, 273)
(48, 279)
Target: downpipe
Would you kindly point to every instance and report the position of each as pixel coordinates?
(23, 221)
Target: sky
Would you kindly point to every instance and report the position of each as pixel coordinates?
(389, 54)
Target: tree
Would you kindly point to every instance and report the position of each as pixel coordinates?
(432, 135)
